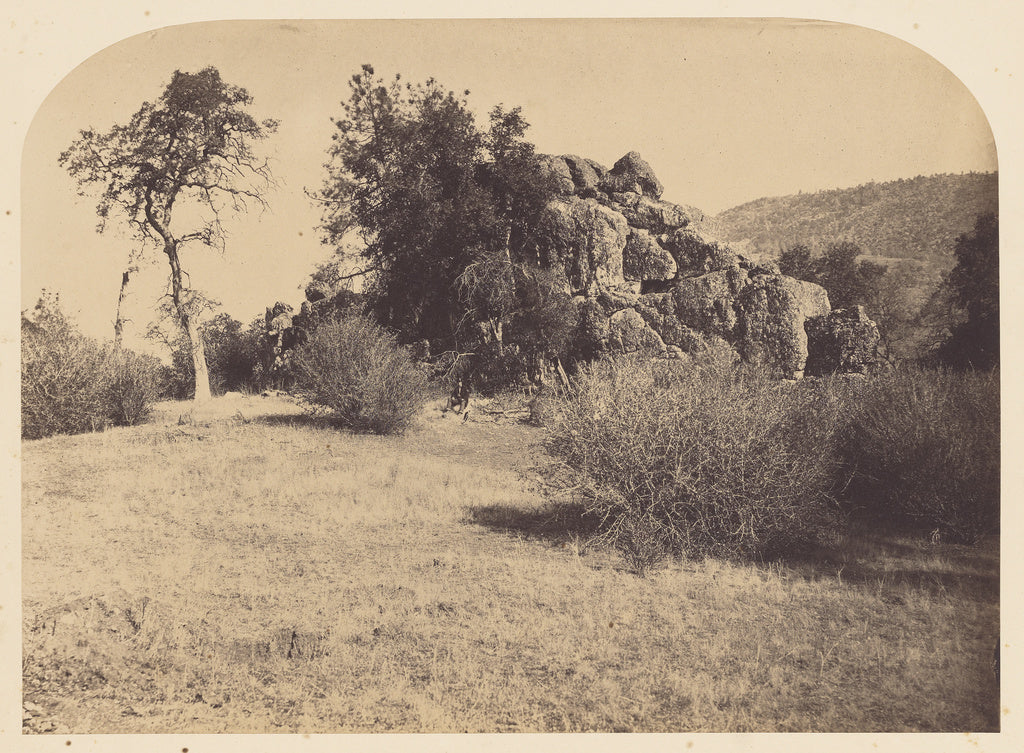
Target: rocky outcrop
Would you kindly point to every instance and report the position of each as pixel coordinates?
(845, 341)
(631, 174)
(776, 312)
(588, 239)
(279, 337)
(644, 258)
(647, 274)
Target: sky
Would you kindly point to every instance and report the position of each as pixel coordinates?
(724, 110)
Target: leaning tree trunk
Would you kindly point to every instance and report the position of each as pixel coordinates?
(119, 321)
(189, 325)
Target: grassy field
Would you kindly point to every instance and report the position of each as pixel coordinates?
(245, 569)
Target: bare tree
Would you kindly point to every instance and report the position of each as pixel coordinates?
(193, 145)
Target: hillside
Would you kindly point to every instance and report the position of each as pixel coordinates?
(918, 218)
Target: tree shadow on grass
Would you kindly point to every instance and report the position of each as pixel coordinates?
(295, 419)
(888, 561)
(557, 523)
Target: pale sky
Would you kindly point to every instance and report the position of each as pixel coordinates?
(725, 111)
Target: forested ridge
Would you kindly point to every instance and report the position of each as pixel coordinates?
(917, 218)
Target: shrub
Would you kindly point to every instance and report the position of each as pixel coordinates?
(701, 458)
(357, 372)
(495, 369)
(132, 386)
(70, 384)
(923, 448)
(61, 392)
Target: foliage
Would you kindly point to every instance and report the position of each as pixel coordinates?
(72, 384)
(710, 457)
(890, 295)
(923, 448)
(974, 285)
(445, 210)
(235, 358)
(193, 146)
(356, 371)
(233, 354)
(849, 280)
(530, 318)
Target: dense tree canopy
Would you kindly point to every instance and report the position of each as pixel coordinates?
(444, 209)
(974, 286)
(194, 145)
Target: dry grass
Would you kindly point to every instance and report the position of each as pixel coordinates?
(247, 573)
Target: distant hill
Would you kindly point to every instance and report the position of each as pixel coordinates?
(918, 218)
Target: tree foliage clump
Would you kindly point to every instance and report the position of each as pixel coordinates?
(234, 356)
(974, 286)
(922, 447)
(849, 280)
(191, 150)
(72, 384)
(446, 213)
(356, 372)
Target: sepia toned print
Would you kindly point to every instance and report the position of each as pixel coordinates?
(367, 387)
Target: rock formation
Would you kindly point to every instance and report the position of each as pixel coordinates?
(648, 274)
(845, 341)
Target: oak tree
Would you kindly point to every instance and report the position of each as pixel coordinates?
(172, 172)
(445, 210)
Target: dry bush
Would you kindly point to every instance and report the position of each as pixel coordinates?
(132, 386)
(71, 384)
(60, 392)
(711, 457)
(357, 372)
(923, 448)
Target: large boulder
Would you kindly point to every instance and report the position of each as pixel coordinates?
(559, 170)
(845, 341)
(628, 332)
(772, 313)
(619, 295)
(658, 310)
(697, 255)
(588, 238)
(653, 215)
(632, 173)
(643, 258)
(707, 303)
(585, 174)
